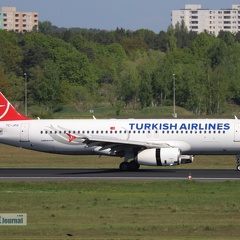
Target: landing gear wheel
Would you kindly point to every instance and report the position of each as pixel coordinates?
(238, 162)
(124, 166)
(134, 165)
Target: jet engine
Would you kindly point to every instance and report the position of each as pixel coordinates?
(162, 157)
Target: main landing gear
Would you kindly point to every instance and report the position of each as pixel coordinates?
(129, 166)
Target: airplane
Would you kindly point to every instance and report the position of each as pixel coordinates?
(150, 142)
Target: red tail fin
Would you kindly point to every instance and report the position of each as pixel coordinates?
(8, 112)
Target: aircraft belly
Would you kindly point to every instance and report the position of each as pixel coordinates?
(50, 145)
(214, 147)
(63, 149)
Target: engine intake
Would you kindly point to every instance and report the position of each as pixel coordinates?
(159, 157)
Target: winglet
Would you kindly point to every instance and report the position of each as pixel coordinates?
(8, 112)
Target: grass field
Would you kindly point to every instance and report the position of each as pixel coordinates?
(123, 210)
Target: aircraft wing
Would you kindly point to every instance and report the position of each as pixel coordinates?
(118, 145)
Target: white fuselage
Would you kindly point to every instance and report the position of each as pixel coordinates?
(191, 136)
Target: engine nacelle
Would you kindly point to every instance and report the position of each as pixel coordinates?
(159, 157)
(185, 159)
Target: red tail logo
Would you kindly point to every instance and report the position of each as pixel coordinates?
(8, 112)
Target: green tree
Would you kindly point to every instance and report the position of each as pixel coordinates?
(145, 89)
(4, 83)
(171, 39)
(10, 53)
(128, 88)
(161, 41)
(34, 55)
(45, 27)
(44, 84)
(81, 97)
(227, 37)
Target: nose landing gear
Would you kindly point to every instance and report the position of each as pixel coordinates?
(238, 162)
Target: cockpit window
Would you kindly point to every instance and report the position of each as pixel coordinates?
(1, 131)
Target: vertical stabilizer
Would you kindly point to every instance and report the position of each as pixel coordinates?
(8, 112)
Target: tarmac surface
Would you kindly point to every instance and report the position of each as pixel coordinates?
(155, 174)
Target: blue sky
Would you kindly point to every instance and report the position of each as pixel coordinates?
(109, 14)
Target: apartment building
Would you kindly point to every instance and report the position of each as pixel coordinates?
(213, 21)
(1, 20)
(11, 20)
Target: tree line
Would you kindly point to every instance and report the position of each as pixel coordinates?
(88, 68)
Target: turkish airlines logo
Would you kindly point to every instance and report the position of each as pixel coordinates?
(4, 108)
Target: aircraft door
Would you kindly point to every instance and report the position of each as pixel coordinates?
(156, 134)
(24, 134)
(237, 133)
(148, 133)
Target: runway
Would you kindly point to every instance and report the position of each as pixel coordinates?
(60, 174)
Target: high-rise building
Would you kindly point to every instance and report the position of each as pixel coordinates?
(1, 20)
(213, 21)
(11, 20)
